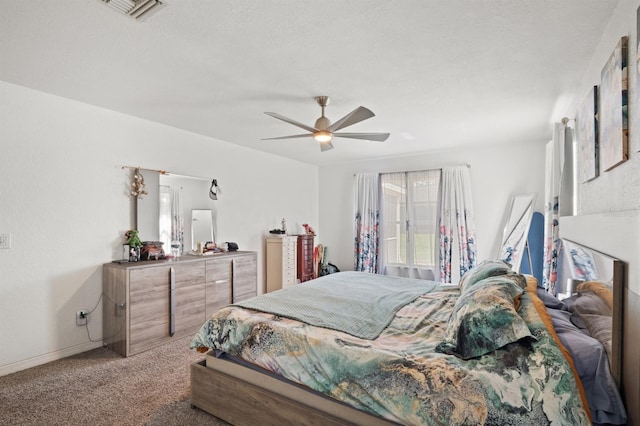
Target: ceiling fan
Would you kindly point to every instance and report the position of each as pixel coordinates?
(324, 131)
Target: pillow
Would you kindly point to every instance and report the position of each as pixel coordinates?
(593, 312)
(590, 303)
(485, 269)
(599, 327)
(550, 301)
(591, 363)
(600, 289)
(484, 319)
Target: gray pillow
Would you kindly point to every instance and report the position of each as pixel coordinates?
(590, 303)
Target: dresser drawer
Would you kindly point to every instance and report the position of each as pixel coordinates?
(244, 277)
(189, 274)
(218, 269)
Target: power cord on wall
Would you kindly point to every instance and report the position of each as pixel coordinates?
(86, 316)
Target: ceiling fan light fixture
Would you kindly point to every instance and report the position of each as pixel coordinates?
(322, 123)
(322, 136)
(323, 132)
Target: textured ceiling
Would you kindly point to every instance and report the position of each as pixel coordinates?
(437, 74)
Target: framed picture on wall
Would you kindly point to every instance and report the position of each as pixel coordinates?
(613, 110)
(587, 136)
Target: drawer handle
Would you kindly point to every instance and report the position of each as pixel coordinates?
(172, 301)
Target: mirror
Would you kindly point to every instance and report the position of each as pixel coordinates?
(164, 214)
(516, 230)
(201, 227)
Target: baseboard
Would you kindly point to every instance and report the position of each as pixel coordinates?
(48, 357)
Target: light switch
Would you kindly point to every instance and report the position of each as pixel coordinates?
(5, 241)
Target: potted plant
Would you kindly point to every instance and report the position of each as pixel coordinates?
(133, 240)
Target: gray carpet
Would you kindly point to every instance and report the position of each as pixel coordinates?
(100, 387)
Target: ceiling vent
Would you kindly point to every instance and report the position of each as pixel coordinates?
(137, 9)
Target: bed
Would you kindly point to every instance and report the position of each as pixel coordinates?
(484, 351)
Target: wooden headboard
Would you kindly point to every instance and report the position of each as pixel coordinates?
(606, 269)
(617, 234)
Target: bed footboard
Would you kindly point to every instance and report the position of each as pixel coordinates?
(242, 402)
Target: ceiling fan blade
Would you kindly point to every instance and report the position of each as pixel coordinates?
(325, 146)
(290, 121)
(376, 137)
(357, 115)
(306, 135)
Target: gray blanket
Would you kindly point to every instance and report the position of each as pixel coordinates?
(364, 310)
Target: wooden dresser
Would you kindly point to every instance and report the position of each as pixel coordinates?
(149, 303)
(281, 262)
(305, 257)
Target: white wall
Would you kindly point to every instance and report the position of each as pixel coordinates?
(497, 173)
(610, 204)
(617, 189)
(63, 199)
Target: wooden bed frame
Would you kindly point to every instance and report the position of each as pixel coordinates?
(246, 396)
(610, 270)
(243, 396)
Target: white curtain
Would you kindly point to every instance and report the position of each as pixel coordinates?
(177, 217)
(393, 192)
(554, 167)
(456, 204)
(367, 217)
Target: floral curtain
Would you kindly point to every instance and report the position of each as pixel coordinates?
(367, 217)
(455, 203)
(553, 180)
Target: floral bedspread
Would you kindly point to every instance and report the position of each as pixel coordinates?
(399, 376)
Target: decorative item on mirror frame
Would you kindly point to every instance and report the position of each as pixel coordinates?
(138, 188)
(214, 190)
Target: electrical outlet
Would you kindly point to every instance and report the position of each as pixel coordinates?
(81, 317)
(5, 241)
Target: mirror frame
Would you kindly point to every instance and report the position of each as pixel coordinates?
(147, 208)
(516, 230)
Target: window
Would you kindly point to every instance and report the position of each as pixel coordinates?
(409, 217)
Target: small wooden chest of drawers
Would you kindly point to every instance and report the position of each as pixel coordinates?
(305, 257)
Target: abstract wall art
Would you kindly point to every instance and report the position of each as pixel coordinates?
(613, 110)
